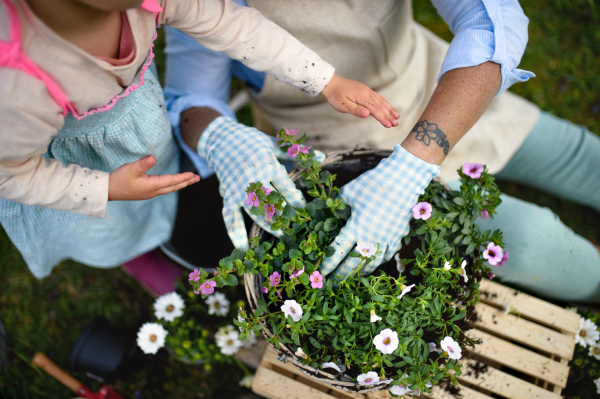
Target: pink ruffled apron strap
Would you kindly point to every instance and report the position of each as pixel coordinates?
(153, 7)
(12, 56)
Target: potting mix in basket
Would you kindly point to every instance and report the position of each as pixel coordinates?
(400, 328)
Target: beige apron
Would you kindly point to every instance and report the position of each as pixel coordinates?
(379, 44)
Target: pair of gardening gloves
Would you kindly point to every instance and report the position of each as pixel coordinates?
(381, 199)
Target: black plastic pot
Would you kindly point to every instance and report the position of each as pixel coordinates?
(103, 352)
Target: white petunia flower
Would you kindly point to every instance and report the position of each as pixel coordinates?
(462, 270)
(386, 341)
(597, 382)
(433, 347)
(366, 249)
(449, 345)
(218, 304)
(405, 290)
(368, 379)
(588, 333)
(595, 351)
(151, 337)
(300, 353)
(247, 381)
(229, 342)
(374, 317)
(168, 306)
(401, 268)
(331, 365)
(447, 266)
(292, 308)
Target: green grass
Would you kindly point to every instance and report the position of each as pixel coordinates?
(47, 315)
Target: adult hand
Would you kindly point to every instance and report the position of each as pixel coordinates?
(352, 97)
(381, 201)
(129, 182)
(241, 155)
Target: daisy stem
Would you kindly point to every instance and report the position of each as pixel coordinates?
(244, 368)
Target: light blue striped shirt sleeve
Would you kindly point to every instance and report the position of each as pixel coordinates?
(486, 30)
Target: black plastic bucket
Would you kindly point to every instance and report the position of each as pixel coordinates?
(102, 351)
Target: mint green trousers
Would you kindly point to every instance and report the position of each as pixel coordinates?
(546, 257)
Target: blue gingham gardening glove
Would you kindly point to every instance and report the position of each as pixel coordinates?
(381, 201)
(241, 155)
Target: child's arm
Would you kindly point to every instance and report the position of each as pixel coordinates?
(29, 119)
(245, 35)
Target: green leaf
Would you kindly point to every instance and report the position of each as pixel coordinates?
(343, 213)
(330, 224)
(458, 317)
(354, 255)
(452, 215)
(274, 197)
(294, 253)
(257, 210)
(315, 343)
(378, 298)
(259, 251)
(347, 316)
(231, 280)
(227, 263)
(329, 251)
(459, 201)
(289, 212)
(310, 209)
(319, 203)
(238, 254)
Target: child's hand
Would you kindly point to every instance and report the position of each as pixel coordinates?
(130, 182)
(349, 96)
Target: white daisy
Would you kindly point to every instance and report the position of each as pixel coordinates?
(218, 304)
(374, 317)
(223, 331)
(229, 343)
(386, 341)
(300, 353)
(405, 290)
(247, 381)
(597, 382)
(595, 351)
(366, 249)
(369, 378)
(292, 308)
(462, 270)
(449, 345)
(588, 333)
(168, 306)
(401, 268)
(151, 337)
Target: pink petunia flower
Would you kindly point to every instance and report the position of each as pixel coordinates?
(265, 290)
(294, 150)
(491, 276)
(316, 279)
(275, 279)
(306, 149)
(296, 273)
(208, 287)
(291, 132)
(485, 214)
(253, 199)
(279, 294)
(505, 257)
(493, 253)
(270, 210)
(195, 275)
(472, 169)
(422, 210)
(266, 190)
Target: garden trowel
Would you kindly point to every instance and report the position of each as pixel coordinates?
(105, 392)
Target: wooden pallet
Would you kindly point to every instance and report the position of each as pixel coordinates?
(524, 356)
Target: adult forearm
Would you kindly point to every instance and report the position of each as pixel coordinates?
(193, 123)
(461, 97)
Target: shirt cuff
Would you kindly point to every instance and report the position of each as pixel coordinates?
(93, 197)
(176, 106)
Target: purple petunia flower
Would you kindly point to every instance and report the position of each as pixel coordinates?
(265, 290)
(296, 273)
(208, 287)
(505, 257)
(253, 199)
(270, 210)
(275, 279)
(485, 214)
(493, 253)
(279, 294)
(316, 279)
(473, 170)
(422, 210)
(195, 275)
(291, 132)
(491, 275)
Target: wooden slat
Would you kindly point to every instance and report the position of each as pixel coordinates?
(269, 384)
(524, 331)
(530, 307)
(519, 359)
(504, 384)
(465, 393)
(270, 358)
